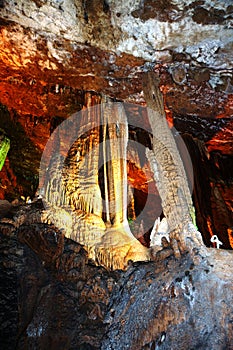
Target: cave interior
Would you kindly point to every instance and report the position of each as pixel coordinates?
(63, 63)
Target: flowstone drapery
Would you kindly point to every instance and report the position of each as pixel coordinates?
(94, 215)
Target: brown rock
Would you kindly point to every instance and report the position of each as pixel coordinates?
(5, 207)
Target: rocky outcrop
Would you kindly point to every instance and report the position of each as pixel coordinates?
(53, 296)
(171, 309)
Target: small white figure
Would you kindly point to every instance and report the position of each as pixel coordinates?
(214, 239)
(159, 230)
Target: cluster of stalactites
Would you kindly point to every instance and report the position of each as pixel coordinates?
(94, 215)
(104, 147)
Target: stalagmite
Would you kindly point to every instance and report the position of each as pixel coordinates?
(116, 150)
(169, 173)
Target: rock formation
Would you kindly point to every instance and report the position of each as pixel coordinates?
(59, 58)
(72, 191)
(71, 188)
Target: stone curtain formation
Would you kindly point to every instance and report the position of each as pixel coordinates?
(93, 215)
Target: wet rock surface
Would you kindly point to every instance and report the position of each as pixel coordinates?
(53, 297)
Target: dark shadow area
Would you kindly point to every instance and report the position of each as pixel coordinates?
(202, 128)
(212, 181)
(23, 155)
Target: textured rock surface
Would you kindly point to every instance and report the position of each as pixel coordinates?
(172, 309)
(52, 296)
(106, 45)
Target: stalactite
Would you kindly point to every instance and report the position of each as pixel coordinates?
(82, 186)
(73, 191)
(118, 245)
(115, 149)
(106, 189)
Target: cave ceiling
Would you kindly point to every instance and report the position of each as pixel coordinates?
(105, 46)
(55, 54)
(52, 50)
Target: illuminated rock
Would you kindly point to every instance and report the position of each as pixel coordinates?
(169, 173)
(97, 213)
(53, 52)
(93, 216)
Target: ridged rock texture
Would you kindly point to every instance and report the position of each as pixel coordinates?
(58, 57)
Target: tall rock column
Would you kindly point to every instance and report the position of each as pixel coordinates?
(169, 172)
(118, 245)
